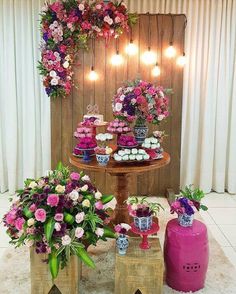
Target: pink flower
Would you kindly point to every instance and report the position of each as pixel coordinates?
(57, 227)
(79, 232)
(10, 217)
(52, 200)
(79, 217)
(56, 6)
(99, 205)
(32, 207)
(19, 223)
(59, 217)
(75, 176)
(141, 99)
(118, 228)
(40, 215)
(137, 91)
(86, 25)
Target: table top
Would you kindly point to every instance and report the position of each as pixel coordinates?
(114, 167)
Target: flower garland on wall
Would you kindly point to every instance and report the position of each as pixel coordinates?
(66, 27)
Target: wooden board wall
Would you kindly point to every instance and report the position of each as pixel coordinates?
(66, 113)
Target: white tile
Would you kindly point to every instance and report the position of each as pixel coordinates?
(230, 253)
(223, 216)
(219, 200)
(230, 233)
(206, 217)
(218, 235)
(4, 238)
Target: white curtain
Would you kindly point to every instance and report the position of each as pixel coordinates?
(24, 108)
(208, 155)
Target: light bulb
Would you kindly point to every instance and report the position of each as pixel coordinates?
(181, 60)
(149, 57)
(93, 76)
(156, 70)
(131, 48)
(117, 59)
(170, 51)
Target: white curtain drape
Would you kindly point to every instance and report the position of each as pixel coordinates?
(208, 155)
(24, 108)
(209, 100)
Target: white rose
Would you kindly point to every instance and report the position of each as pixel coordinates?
(85, 178)
(118, 106)
(54, 82)
(66, 64)
(74, 195)
(81, 7)
(160, 117)
(122, 97)
(86, 203)
(99, 232)
(53, 74)
(79, 217)
(57, 227)
(98, 195)
(117, 19)
(60, 189)
(79, 232)
(125, 226)
(56, 54)
(45, 8)
(110, 21)
(84, 188)
(30, 222)
(32, 185)
(66, 240)
(106, 18)
(29, 242)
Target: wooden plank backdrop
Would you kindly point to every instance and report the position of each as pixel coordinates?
(67, 112)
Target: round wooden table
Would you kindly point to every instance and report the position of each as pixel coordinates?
(121, 172)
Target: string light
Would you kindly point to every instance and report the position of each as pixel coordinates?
(170, 51)
(131, 48)
(149, 57)
(156, 70)
(117, 59)
(93, 76)
(181, 60)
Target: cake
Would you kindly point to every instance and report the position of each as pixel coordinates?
(95, 118)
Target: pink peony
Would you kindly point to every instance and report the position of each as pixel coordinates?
(10, 217)
(99, 205)
(137, 91)
(19, 223)
(40, 215)
(32, 207)
(52, 200)
(59, 217)
(75, 176)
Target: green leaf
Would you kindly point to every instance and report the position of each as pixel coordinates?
(59, 166)
(54, 262)
(83, 255)
(203, 207)
(27, 212)
(108, 232)
(106, 198)
(68, 218)
(48, 228)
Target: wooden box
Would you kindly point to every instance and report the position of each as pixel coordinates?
(140, 269)
(67, 281)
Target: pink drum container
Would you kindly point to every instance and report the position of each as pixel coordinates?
(186, 255)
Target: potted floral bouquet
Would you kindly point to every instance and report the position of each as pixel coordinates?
(59, 215)
(187, 204)
(142, 211)
(141, 102)
(122, 241)
(103, 151)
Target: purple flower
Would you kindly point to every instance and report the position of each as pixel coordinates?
(45, 37)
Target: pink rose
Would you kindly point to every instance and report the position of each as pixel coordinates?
(40, 215)
(57, 227)
(118, 228)
(59, 217)
(99, 205)
(19, 223)
(79, 232)
(10, 217)
(79, 217)
(52, 200)
(140, 99)
(75, 176)
(137, 91)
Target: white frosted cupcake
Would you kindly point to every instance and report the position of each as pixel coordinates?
(125, 157)
(134, 151)
(154, 140)
(117, 157)
(154, 146)
(141, 151)
(139, 157)
(121, 152)
(127, 151)
(146, 156)
(131, 157)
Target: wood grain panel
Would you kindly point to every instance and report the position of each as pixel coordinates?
(66, 113)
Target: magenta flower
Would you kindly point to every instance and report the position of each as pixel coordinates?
(40, 215)
(75, 176)
(99, 205)
(137, 91)
(19, 223)
(32, 207)
(59, 217)
(10, 217)
(52, 200)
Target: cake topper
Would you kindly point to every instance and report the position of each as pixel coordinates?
(92, 109)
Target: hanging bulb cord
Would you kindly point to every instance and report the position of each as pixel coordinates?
(184, 28)
(149, 31)
(131, 35)
(93, 54)
(117, 45)
(172, 29)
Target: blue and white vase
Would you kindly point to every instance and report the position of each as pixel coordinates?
(140, 133)
(122, 243)
(185, 220)
(103, 159)
(143, 223)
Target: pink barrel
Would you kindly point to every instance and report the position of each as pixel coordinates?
(186, 256)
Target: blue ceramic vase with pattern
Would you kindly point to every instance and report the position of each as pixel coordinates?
(122, 244)
(185, 220)
(143, 223)
(103, 159)
(140, 133)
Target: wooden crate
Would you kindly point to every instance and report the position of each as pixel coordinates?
(140, 269)
(67, 281)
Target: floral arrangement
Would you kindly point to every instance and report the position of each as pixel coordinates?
(128, 141)
(87, 143)
(118, 126)
(66, 27)
(83, 132)
(122, 228)
(189, 202)
(160, 135)
(140, 207)
(103, 150)
(131, 155)
(141, 101)
(58, 214)
(151, 143)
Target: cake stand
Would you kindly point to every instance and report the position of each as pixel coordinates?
(86, 154)
(144, 244)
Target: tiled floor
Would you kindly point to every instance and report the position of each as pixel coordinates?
(220, 219)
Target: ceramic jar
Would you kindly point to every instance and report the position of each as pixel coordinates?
(140, 133)
(103, 159)
(185, 220)
(143, 223)
(122, 243)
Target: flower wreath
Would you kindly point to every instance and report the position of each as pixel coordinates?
(66, 27)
